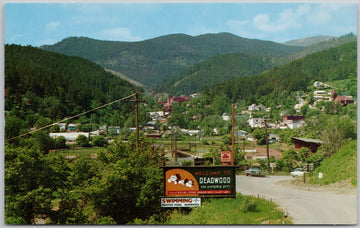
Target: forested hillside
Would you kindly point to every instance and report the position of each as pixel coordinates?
(333, 42)
(152, 61)
(214, 71)
(274, 86)
(41, 84)
(308, 41)
(223, 67)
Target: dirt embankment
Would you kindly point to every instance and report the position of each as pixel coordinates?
(342, 187)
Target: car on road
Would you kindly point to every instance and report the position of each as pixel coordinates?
(298, 172)
(255, 171)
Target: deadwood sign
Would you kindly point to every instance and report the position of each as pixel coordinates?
(204, 181)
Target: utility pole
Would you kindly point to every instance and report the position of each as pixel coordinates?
(267, 146)
(137, 118)
(232, 135)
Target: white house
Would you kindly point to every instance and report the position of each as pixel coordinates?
(69, 136)
(226, 117)
(293, 122)
(256, 122)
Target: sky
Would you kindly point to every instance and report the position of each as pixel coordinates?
(38, 24)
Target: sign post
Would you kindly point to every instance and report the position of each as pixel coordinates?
(272, 165)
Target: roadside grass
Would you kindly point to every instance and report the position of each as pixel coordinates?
(340, 166)
(241, 210)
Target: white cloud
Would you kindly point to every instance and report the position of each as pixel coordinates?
(117, 34)
(323, 13)
(287, 19)
(52, 26)
(198, 30)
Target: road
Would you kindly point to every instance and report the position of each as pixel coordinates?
(303, 206)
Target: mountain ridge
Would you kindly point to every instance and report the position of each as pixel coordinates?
(154, 60)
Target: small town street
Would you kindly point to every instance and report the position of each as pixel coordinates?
(305, 204)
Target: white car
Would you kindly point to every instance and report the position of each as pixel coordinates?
(298, 172)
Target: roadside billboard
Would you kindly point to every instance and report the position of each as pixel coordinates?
(199, 181)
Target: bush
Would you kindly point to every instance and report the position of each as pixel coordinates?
(82, 140)
(99, 141)
(60, 142)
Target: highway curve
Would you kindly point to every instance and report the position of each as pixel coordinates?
(303, 206)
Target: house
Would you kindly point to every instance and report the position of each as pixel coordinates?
(69, 136)
(320, 85)
(255, 107)
(343, 100)
(195, 95)
(273, 138)
(293, 122)
(241, 133)
(256, 122)
(312, 144)
(168, 103)
(321, 95)
(114, 129)
(72, 127)
(226, 116)
(150, 125)
(62, 126)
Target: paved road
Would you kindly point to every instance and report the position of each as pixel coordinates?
(305, 207)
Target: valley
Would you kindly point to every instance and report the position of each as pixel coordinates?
(72, 110)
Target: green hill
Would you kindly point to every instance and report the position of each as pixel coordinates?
(320, 46)
(224, 67)
(42, 83)
(215, 70)
(308, 41)
(341, 166)
(152, 61)
(274, 86)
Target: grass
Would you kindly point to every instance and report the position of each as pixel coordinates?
(241, 210)
(80, 152)
(340, 166)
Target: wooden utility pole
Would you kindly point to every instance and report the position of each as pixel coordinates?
(232, 135)
(267, 146)
(137, 118)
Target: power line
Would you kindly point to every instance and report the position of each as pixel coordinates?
(72, 117)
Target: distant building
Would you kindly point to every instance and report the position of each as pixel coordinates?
(343, 100)
(169, 102)
(293, 122)
(150, 125)
(255, 107)
(321, 95)
(312, 144)
(69, 136)
(195, 95)
(72, 127)
(226, 116)
(256, 122)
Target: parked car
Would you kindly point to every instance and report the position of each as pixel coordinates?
(255, 171)
(298, 172)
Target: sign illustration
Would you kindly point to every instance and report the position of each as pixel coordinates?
(205, 181)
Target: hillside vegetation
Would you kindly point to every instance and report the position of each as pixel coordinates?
(152, 61)
(215, 70)
(304, 42)
(331, 43)
(341, 166)
(241, 210)
(274, 86)
(41, 84)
